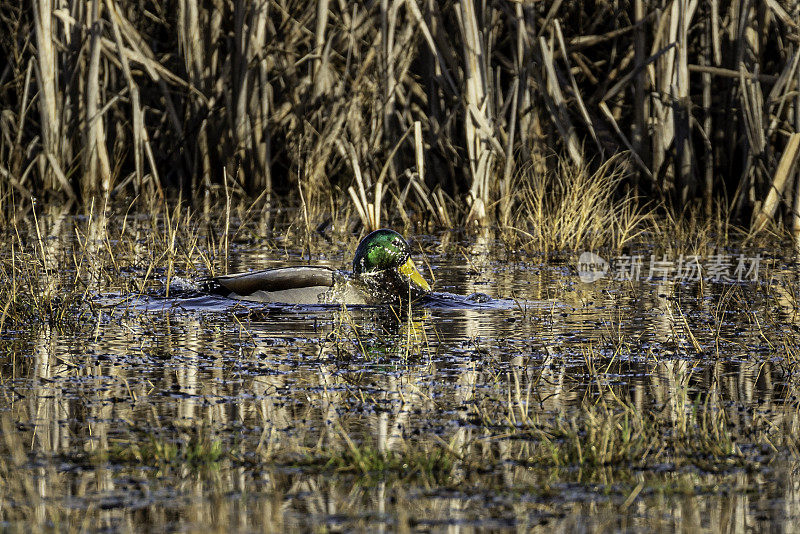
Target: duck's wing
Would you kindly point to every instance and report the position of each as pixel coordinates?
(279, 279)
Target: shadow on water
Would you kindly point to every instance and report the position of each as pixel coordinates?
(571, 406)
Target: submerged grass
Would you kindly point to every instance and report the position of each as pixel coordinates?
(430, 466)
(200, 452)
(616, 433)
(629, 437)
(52, 276)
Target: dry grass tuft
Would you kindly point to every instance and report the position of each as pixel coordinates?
(573, 208)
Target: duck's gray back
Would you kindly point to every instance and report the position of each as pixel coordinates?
(280, 279)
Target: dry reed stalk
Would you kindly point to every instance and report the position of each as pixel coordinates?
(441, 63)
(418, 151)
(141, 53)
(133, 89)
(388, 28)
(438, 208)
(557, 106)
(262, 138)
(95, 154)
(785, 171)
(663, 76)
(796, 203)
(640, 102)
(753, 123)
(508, 168)
(424, 195)
(269, 87)
(16, 156)
(250, 114)
(523, 48)
(681, 102)
(227, 230)
(708, 171)
(575, 90)
(479, 120)
(47, 82)
(320, 76)
(369, 212)
(610, 117)
(194, 60)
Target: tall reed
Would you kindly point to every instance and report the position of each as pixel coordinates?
(308, 99)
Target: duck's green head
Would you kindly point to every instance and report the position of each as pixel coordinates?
(386, 251)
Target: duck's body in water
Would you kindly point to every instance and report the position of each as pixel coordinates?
(383, 273)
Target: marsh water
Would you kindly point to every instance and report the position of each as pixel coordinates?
(151, 411)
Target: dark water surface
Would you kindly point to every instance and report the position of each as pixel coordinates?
(168, 413)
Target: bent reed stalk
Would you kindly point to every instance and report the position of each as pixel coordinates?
(699, 99)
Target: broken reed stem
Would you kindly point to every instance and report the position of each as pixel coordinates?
(786, 169)
(419, 155)
(228, 217)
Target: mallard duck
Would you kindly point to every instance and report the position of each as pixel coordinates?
(383, 272)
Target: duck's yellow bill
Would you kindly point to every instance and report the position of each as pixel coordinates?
(409, 270)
